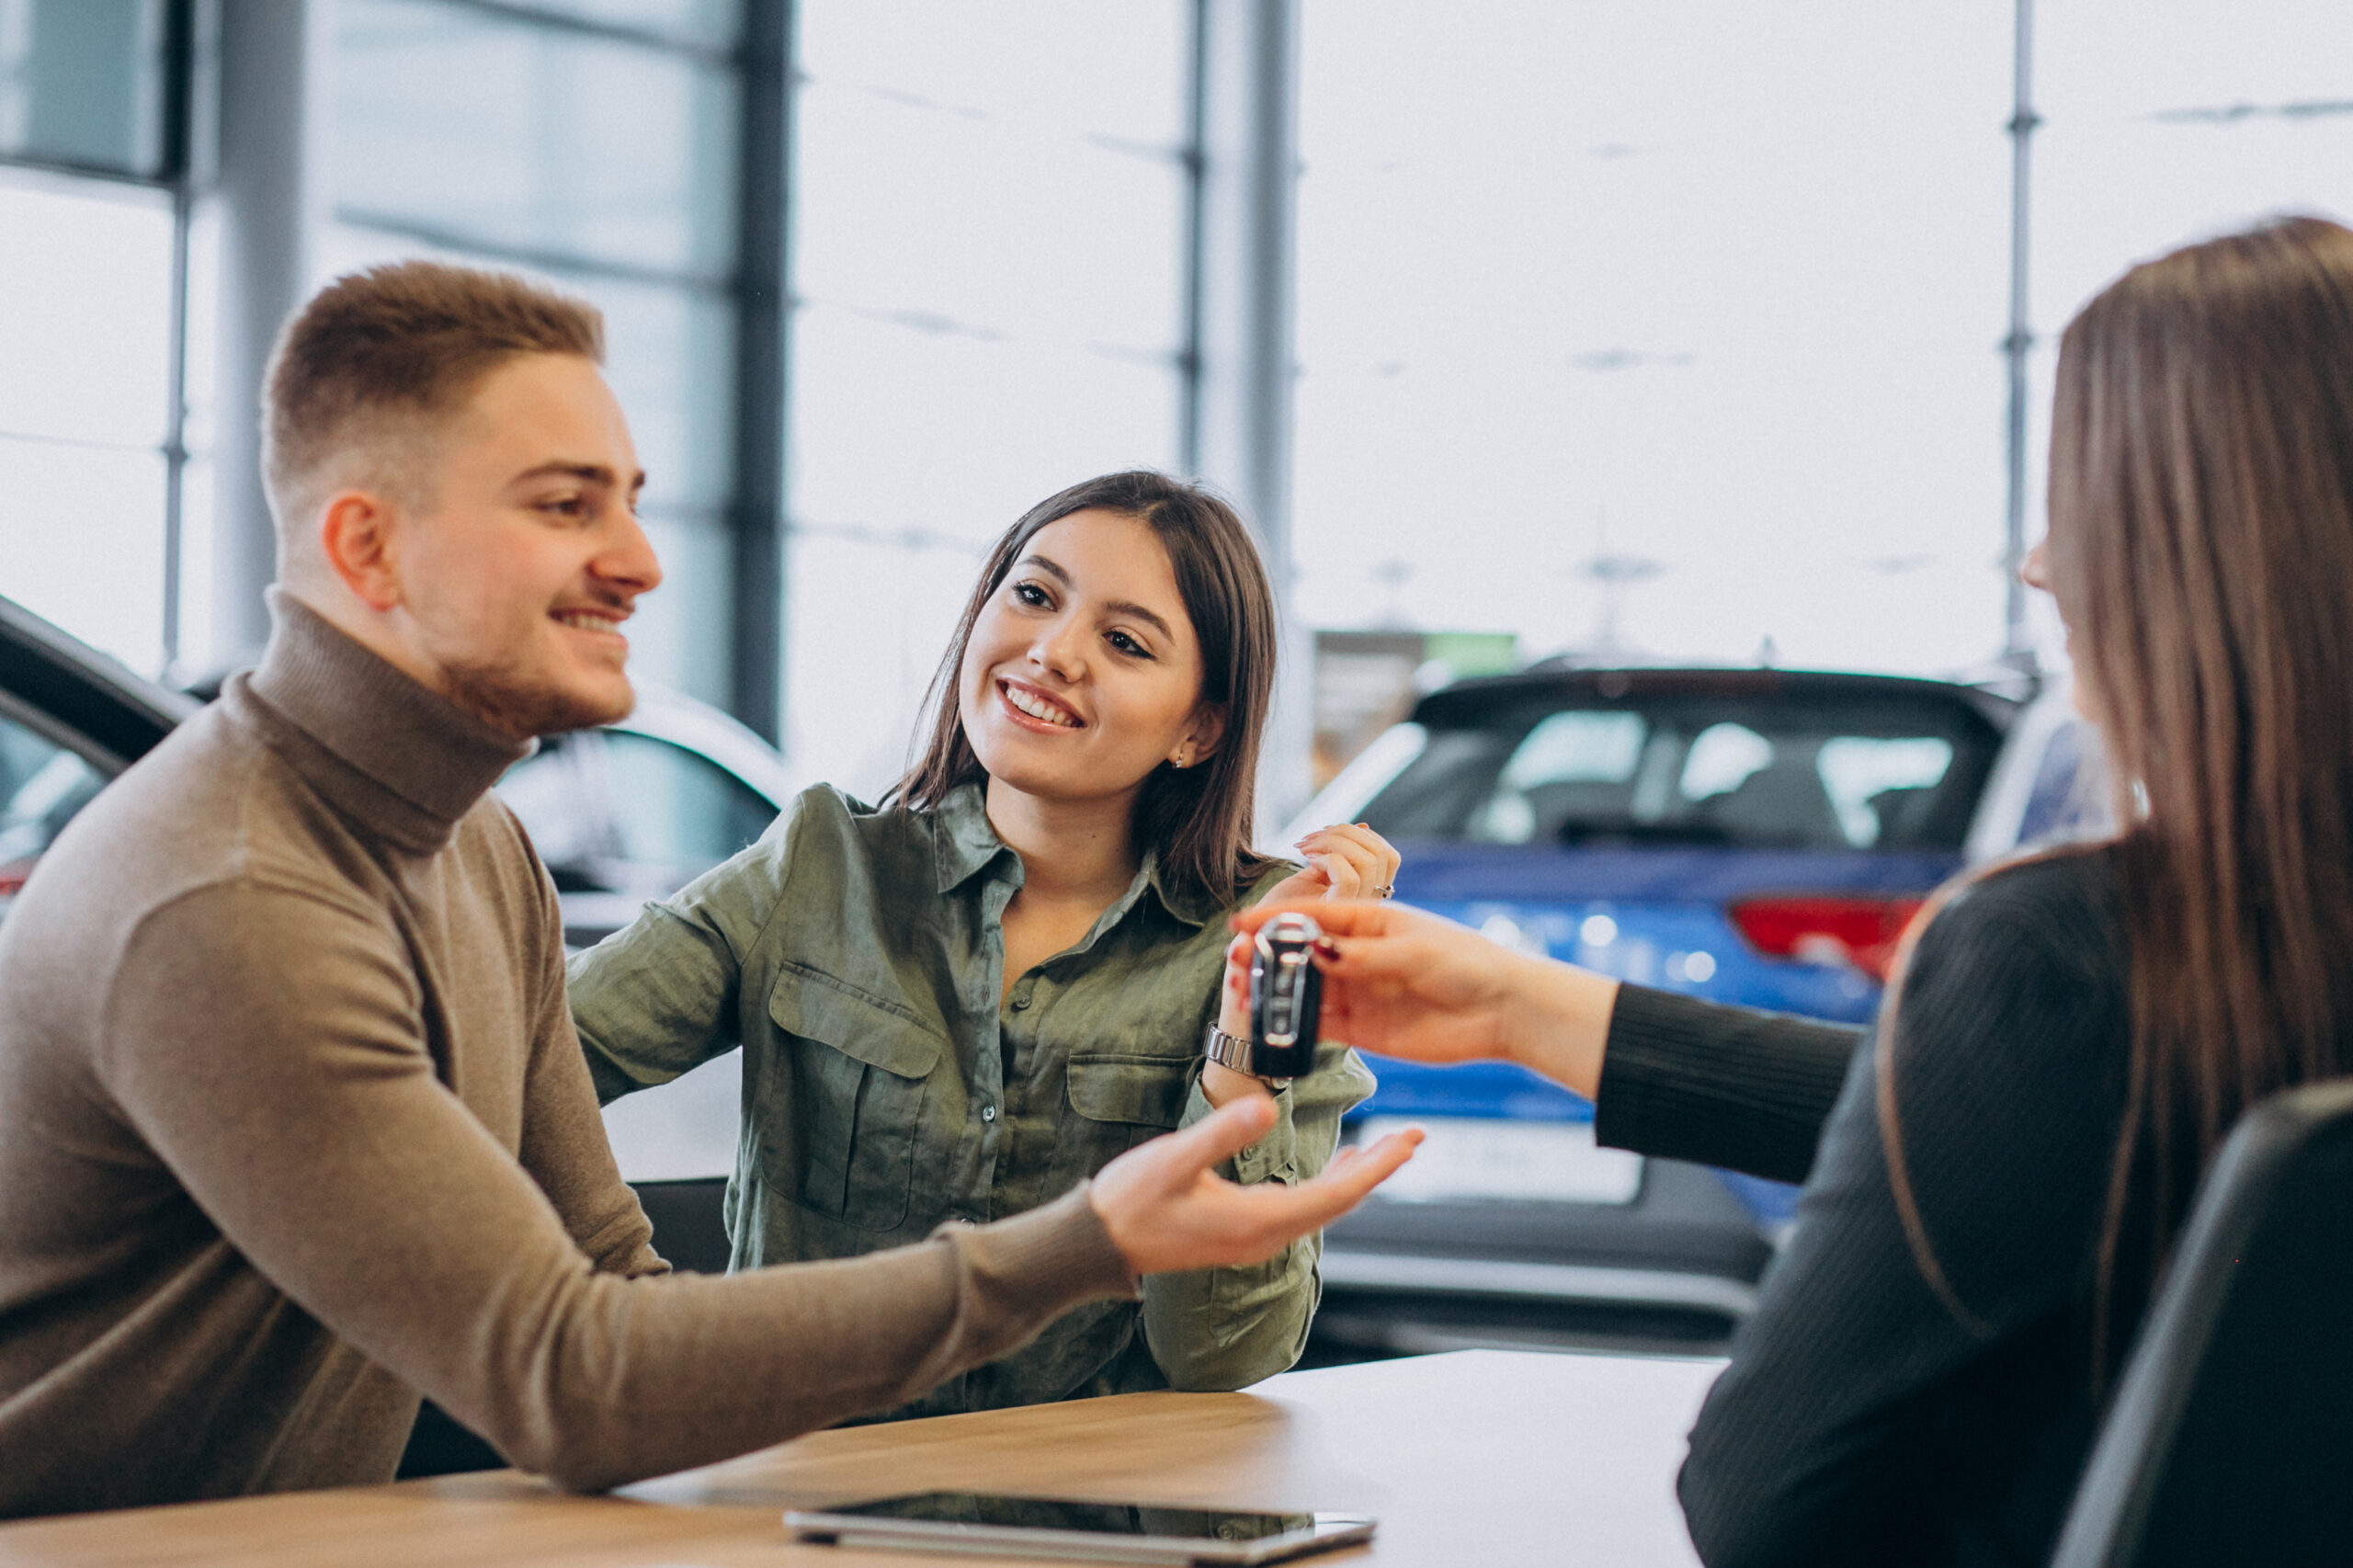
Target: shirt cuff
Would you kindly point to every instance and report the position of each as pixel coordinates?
(1274, 1156)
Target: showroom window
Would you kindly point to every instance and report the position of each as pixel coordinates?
(92, 249)
(989, 210)
(593, 145)
(1694, 315)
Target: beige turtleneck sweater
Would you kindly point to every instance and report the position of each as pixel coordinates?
(293, 1126)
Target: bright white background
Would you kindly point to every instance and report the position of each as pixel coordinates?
(1724, 286)
(1718, 284)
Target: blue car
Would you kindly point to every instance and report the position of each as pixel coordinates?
(1759, 836)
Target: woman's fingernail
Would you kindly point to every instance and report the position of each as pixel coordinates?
(1327, 948)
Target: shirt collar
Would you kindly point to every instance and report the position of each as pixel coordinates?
(964, 844)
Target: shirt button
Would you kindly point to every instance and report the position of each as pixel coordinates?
(988, 1113)
(1021, 1001)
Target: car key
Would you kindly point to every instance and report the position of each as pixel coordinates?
(1286, 997)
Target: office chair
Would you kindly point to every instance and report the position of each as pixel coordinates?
(689, 1221)
(2231, 1436)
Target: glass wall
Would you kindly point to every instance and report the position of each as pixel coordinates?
(592, 145)
(1668, 329)
(86, 84)
(1660, 329)
(2169, 123)
(1692, 314)
(988, 232)
(86, 322)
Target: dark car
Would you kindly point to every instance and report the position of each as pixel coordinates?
(1752, 835)
(71, 718)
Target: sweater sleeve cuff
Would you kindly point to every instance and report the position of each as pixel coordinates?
(1686, 1079)
(1052, 1257)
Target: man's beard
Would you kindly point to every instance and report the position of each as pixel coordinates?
(506, 699)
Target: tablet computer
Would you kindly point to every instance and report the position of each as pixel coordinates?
(986, 1525)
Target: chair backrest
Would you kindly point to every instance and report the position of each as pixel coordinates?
(2231, 1436)
(689, 1221)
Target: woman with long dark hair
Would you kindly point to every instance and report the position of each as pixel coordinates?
(2068, 1037)
(962, 1003)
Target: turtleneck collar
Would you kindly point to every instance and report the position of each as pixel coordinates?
(384, 751)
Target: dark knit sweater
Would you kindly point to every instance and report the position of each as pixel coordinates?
(1862, 1420)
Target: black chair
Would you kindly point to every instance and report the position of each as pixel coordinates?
(2231, 1438)
(689, 1221)
(690, 1230)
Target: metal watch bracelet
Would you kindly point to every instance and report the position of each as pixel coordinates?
(1233, 1051)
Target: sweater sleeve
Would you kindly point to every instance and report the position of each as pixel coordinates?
(563, 1145)
(1863, 1401)
(268, 1046)
(1731, 1087)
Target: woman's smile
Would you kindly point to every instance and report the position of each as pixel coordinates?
(1032, 708)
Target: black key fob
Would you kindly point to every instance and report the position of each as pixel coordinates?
(1285, 997)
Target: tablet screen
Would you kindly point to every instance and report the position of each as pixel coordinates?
(1092, 1518)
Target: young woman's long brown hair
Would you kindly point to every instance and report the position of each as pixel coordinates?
(1198, 818)
(2201, 552)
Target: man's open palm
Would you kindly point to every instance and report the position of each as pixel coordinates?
(1168, 1209)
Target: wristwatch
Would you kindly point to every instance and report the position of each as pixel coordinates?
(1233, 1050)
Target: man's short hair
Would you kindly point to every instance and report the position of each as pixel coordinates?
(378, 359)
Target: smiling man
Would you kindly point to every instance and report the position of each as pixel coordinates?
(294, 1122)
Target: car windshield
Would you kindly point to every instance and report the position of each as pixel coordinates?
(1834, 772)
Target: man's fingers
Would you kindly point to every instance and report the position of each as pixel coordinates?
(1295, 1211)
(1224, 1133)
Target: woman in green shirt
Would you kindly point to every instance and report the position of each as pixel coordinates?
(962, 1003)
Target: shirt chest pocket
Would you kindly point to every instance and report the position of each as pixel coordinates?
(856, 1073)
(1122, 1100)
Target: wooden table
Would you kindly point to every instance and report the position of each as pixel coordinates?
(1476, 1458)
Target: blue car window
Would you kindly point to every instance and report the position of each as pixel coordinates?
(1723, 758)
(1581, 760)
(1797, 768)
(1872, 781)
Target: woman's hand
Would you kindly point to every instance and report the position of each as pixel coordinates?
(1406, 983)
(1168, 1210)
(1344, 860)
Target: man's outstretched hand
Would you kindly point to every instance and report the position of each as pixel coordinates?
(1168, 1209)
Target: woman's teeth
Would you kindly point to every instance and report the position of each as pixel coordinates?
(1038, 710)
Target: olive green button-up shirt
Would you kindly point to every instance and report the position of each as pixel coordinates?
(856, 957)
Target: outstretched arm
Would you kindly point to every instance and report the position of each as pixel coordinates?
(1669, 1075)
(320, 1140)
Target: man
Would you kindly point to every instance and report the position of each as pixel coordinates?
(293, 1123)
